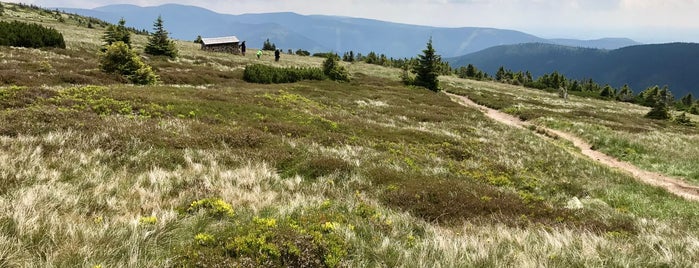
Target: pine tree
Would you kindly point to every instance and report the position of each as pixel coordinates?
(116, 33)
(607, 92)
(426, 69)
(269, 46)
(500, 75)
(661, 101)
(470, 71)
(687, 100)
(159, 43)
(625, 94)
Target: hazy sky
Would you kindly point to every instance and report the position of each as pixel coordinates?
(643, 20)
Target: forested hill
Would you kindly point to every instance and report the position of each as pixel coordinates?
(675, 65)
(319, 33)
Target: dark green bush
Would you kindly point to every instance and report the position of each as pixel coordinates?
(120, 59)
(263, 74)
(22, 34)
(683, 119)
(302, 52)
(333, 70)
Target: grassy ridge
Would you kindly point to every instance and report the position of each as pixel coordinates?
(210, 170)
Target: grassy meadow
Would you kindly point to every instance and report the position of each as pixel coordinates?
(206, 170)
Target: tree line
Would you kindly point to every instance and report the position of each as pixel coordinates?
(660, 99)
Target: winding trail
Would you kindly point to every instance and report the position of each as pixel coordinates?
(673, 185)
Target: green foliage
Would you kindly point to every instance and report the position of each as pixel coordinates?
(326, 55)
(661, 101)
(158, 43)
(302, 52)
(117, 33)
(95, 99)
(269, 46)
(348, 56)
(264, 74)
(684, 120)
(120, 59)
(471, 72)
(607, 92)
(334, 70)
(214, 207)
(269, 242)
(198, 40)
(426, 70)
(625, 94)
(406, 77)
(31, 35)
(694, 109)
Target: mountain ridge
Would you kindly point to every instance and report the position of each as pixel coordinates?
(321, 33)
(639, 66)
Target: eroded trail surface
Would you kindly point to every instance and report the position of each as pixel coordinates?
(673, 185)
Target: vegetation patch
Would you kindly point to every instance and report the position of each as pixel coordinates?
(21, 34)
(264, 74)
(306, 241)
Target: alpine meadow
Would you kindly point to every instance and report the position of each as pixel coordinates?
(151, 152)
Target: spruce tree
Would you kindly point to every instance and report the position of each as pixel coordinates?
(625, 94)
(426, 69)
(687, 100)
(500, 74)
(269, 46)
(661, 101)
(159, 43)
(116, 33)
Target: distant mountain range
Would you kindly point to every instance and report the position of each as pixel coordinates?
(675, 65)
(318, 33)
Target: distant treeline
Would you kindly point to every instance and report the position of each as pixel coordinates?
(22, 34)
(589, 88)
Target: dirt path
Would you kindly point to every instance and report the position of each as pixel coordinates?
(673, 185)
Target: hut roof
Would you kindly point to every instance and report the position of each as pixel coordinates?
(220, 40)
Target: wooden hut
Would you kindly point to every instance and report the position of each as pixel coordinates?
(226, 44)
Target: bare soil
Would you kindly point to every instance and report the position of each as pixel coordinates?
(671, 184)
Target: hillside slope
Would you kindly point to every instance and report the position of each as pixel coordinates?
(326, 33)
(640, 66)
(205, 169)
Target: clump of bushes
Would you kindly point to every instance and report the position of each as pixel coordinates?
(302, 52)
(311, 241)
(22, 34)
(263, 74)
(118, 58)
(215, 207)
(334, 70)
(683, 119)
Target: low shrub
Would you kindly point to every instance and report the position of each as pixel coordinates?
(263, 74)
(215, 207)
(268, 242)
(120, 59)
(21, 34)
(335, 71)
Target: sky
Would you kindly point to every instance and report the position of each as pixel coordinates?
(647, 21)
